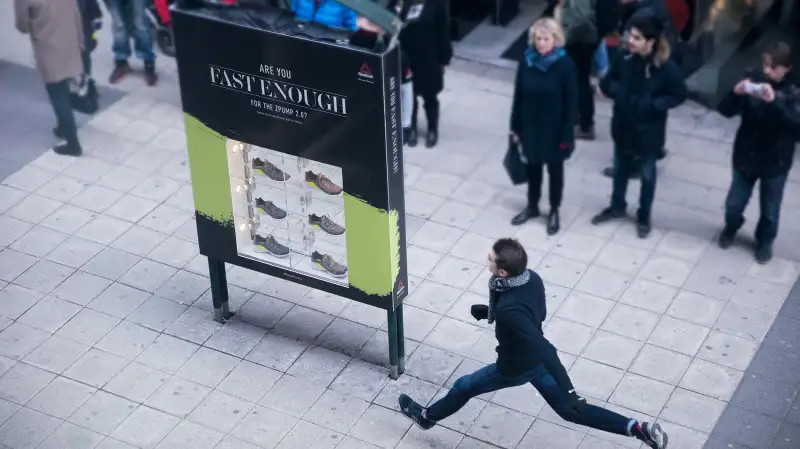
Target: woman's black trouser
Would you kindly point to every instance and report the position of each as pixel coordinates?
(431, 106)
(582, 55)
(555, 172)
(65, 120)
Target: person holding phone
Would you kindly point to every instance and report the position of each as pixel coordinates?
(768, 101)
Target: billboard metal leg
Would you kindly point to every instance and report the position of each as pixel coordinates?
(401, 340)
(394, 346)
(219, 290)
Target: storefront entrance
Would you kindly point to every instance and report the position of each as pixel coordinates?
(728, 37)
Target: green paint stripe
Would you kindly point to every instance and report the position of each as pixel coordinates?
(208, 160)
(373, 247)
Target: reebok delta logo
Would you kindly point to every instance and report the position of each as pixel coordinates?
(400, 287)
(365, 74)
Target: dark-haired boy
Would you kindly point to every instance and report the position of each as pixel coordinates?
(517, 307)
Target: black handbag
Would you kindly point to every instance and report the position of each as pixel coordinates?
(515, 163)
(83, 96)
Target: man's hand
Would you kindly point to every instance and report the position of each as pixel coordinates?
(767, 93)
(479, 311)
(741, 88)
(575, 400)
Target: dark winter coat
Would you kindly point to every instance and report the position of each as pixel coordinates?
(643, 92)
(521, 345)
(544, 108)
(90, 15)
(426, 42)
(765, 141)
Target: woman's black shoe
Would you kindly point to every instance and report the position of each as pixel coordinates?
(763, 252)
(67, 150)
(553, 222)
(431, 138)
(524, 216)
(412, 137)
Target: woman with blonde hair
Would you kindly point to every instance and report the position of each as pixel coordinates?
(543, 116)
(644, 84)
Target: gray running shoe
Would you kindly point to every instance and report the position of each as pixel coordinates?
(270, 245)
(325, 262)
(269, 208)
(323, 183)
(326, 224)
(270, 170)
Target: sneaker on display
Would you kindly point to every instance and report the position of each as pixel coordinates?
(270, 245)
(325, 262)
(270, 170)
(323, 183)
(269, 208)
(326, 224)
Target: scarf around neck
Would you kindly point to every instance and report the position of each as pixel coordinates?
(543, 61)
(499, 285)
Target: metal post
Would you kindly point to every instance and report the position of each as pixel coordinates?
(394, 367)
(219, 290)
(401, 340)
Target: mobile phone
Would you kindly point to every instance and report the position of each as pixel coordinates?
(752, 88)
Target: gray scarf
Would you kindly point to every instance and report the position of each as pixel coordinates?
(499, 285)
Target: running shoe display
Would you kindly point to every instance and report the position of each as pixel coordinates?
(326, 263)
(270, 170)
(270, 245)
(326, 224)
(323, 183)
(269, 208)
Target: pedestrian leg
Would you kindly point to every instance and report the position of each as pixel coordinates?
(432, 116)
(770, 198)
(65, 118)
(735, 204)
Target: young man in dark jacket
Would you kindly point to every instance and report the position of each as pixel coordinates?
(769, 103)
(517, 307)
(644, 84)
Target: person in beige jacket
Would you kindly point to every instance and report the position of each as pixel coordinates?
(55, 29)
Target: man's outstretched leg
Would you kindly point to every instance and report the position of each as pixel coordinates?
(485, 380)
(573, 408)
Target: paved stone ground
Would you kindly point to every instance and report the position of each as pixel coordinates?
(108, 340)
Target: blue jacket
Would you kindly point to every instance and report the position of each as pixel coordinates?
(329, 13)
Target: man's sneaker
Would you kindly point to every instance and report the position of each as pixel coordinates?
(585, 134)
(325, 262)
(269, 208)
(414, 412)
(323, 183)
(150, 75)
(431, 138)
(121, 68)
(651, 434)
(763, 252)
(326, 224)
(607, 215)
(67, 150)
(726, 238)
(270, 245)
(270, 170)
(643, 226)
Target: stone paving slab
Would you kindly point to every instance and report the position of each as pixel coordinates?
(107, 339)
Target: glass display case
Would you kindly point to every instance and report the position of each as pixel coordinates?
(288, 211)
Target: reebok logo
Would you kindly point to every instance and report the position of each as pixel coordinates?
(365, 74)
(400, 287)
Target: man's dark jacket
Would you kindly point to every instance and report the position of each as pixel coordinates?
(765, 141)
(519, 314)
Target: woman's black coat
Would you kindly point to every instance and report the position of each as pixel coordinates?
(544, 110)
(426, 42)
(643, 92)
(765, 141)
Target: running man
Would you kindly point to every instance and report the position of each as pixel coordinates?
(517, 307)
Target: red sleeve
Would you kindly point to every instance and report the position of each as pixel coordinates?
(162, 6)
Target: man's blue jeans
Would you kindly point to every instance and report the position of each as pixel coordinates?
(128, 20)
(488, 379)
(624, 165)
(770, 199)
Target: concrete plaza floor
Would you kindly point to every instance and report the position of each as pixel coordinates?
(107, 338)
